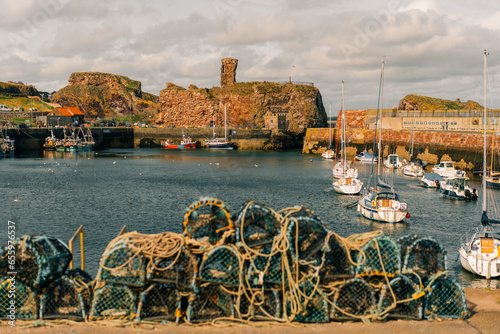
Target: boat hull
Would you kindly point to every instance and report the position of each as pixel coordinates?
(347, 186)
(380, 213)
(222, 146)
(488, 267)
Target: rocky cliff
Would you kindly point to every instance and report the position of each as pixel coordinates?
(104, 94)
(247, 104)
(418, 102)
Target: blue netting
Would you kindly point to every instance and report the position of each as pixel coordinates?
(381, 253)
(446, 300)
(313, 305)
(259, 305)
(222, 264)
(180, 269)
(425, 257)
(160, 302)
(397, 300)
(63, 298)
(353, 299)
(123, 264)
(114, 301)
(209, 303)
(256, 225)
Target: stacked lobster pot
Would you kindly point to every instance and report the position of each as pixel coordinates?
(35, 267)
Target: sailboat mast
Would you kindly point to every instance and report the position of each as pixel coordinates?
(379, 161)
(330, 125)
(225, 136)
(484, 133)
(343, 129)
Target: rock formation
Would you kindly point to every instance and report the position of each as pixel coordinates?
(418, 102)
(103, 94)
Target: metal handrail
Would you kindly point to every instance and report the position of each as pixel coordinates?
(78, 232)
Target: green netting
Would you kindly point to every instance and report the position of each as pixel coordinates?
(63, 298)
(180, 269)
(313, 305)
(209, 303)
(259, 305)
(425, 257)
(256, 225)
(336, 264)
(353, 300)
(160, 302)
(445, 300)
(306, 235)
(404, 242)
(222, 264)
(207, 219)
(381, 248)
(114, 301)
(26, 300)
(123, 264)
(262, 270)
(401, 305)
(39, 260)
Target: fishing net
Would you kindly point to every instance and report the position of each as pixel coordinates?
(113, 301)
(211, 302)
(64, 298)
(26, 301)
(38, 260)
(398, 300)
(160, 302)
(207, 219)
(336, 264)
(381, 253)
(123, 264)
(256, 225)
(404, 243)
(263, 269)
(353, 300)
(222, 264)
(445, 300)
(425, 257)
(259, 305)
(180, 269)
(306, 234)
(313, 306)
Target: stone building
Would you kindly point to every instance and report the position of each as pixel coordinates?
(228, 71)
(277, 121)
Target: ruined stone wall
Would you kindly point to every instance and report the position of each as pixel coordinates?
(228, 71)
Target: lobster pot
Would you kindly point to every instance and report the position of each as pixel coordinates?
(180, 269)
(26, 300)
(159, 302)
(336, 264)
(256, 225)
(425, 257)
(403, 290)
(221, 265)
(64, 299)
(261, 270)
(445, 300)
(265, 306)
(380, 247)
(209, 303)
(404, 243)
(314, 309)
(352, 300)
(123, 264)
(39, 260)
(114, 301)
(207, 219)
(306, 236)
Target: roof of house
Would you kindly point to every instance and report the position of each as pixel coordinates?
(69, 111)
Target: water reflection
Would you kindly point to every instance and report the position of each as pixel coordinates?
(51, 155)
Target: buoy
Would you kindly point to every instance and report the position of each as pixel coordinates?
(311, 160)
(408, 215)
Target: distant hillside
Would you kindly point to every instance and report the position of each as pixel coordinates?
(412, 102)
(16, 95)
(104, 94)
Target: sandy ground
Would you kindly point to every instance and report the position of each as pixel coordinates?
(483, 305)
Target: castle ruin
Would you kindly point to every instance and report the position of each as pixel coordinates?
(228, 71)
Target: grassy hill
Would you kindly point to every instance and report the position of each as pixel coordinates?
(419, 102)
(16, 95)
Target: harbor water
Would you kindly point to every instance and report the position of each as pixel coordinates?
(148, 190)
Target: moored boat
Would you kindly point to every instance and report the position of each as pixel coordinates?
(447, 169)
(365, 157)
(457, 188)
(383, 206)
(50, 142)
(432, 180)
(186, 142)
(413, 169)
(7, 146)
(393, 161)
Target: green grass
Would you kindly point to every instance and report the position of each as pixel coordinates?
(20, 101)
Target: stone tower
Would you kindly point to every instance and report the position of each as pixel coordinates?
(228, 71)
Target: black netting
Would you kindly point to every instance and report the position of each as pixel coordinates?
(336, 264)
(397, 300)
(123, 264)
(25, 300)
(259, 305)
(207, 219)
(160, 302)
(209, 303)
(404, 242)
(39, 260)
(261, 270)
(313, 304)
(381, 253)
(445, 300)
(256, 225)
(352, 300)
(425, 257)
(114, 301)
(180, 269)
(222, 264)
(64, 298)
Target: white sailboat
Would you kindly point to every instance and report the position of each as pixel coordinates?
(481, 253)
(378, 205)
(220, 143)
(329, 153)
(342, 168)
(347, 183)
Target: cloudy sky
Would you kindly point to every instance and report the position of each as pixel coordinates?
(432, 47)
